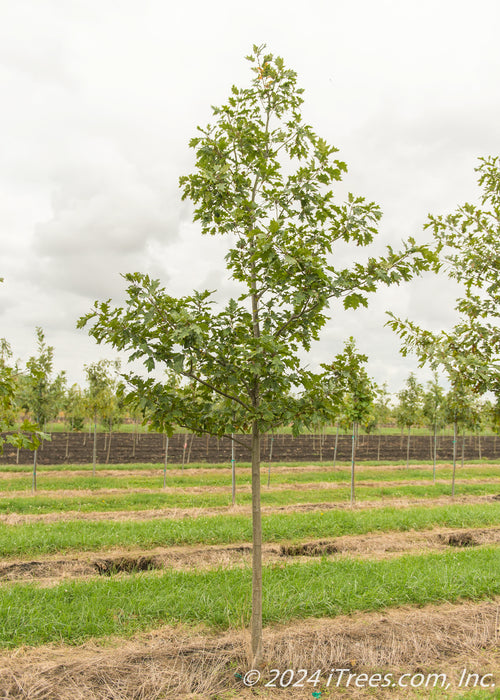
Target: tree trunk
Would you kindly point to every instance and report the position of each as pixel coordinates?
(94, 452)
(256, 623)
(454, 458)
(66, 454)
(184, 452)
(270, 458)
(434, 459)
(408, 449)
(353, 461)
(233, 472)
(335, 448)
(165, 462)
(189, 450)
(109, 445)
(33, 485)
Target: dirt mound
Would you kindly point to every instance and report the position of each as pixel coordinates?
(461, 539)
(308, 549)
(128, 565)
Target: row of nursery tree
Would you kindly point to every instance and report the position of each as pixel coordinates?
(43, 397)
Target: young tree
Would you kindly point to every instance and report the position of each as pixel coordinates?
(73, 405)
(97, 395)
(381, 411)
(458, 410)
(27, 435)
(409, 409)
(113, 408)
(468, 242)
(349, 379)
(264, 178)
(41, 393)
(432, 411)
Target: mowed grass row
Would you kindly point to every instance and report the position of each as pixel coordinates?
(49, 502)
(70, 481)
(73, 612)
(225, 466)
(32, 539)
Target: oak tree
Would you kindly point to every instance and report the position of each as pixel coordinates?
(264, 179)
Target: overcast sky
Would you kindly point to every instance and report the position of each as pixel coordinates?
(100, 99)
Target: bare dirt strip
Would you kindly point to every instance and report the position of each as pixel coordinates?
(192, 663)
(194, 512)
(50, 570)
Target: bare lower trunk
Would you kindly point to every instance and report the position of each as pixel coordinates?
(33, 485)
(256, 623)
(233, 472)
(454, 458)
(435, 448)
(270, 458)
(408, 450)
(109, 446)
(353, 462)
(94, 451)
(189, 450)
(184, 452)
(335, 448)
(165, 462)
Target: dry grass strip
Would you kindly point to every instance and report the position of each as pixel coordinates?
(177, 513)
(51, 570)
(183, 663)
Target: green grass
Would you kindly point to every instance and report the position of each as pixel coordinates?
(49, 502)
(139, 466)
(72, 612)
(219, 478)
(139, 501)
(33, 539)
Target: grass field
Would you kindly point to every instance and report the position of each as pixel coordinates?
(115, 572)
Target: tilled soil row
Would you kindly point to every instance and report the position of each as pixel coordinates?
(175, 662)
(194, 512)
(51, 570)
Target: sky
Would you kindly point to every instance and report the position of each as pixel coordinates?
(100, 99)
